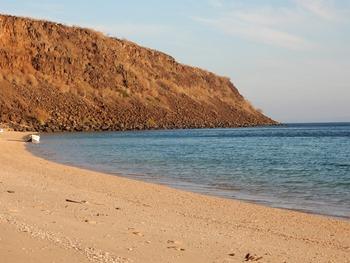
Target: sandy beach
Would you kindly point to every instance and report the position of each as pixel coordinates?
(55, 213)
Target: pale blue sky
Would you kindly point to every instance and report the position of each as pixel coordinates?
(289, 57)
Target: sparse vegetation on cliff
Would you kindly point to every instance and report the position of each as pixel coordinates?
(59, 78)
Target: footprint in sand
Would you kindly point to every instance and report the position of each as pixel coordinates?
(137, 233)
(175, 245)
(91, 222)
(176, 248)
(174, 242)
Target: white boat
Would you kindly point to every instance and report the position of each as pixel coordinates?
(34, 138)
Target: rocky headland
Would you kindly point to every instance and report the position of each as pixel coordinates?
(59, 78)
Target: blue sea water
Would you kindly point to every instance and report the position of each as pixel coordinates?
(296, 166)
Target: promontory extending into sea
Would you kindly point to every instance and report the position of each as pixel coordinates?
(59, 78)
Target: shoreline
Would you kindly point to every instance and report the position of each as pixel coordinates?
(116, 219)
(190, 186)
(138, 178)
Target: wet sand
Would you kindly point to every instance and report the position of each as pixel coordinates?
(55, 213)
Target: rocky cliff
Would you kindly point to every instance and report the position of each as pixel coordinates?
(59, 78)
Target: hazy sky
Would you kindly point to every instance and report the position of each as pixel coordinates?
(291, 58)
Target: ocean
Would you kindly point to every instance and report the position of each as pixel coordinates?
(303, 167)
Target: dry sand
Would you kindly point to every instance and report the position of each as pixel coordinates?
(120, 220)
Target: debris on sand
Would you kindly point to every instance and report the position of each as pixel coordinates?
(76, 202)
(250, 257)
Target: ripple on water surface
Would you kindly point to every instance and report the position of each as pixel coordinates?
(297, 166)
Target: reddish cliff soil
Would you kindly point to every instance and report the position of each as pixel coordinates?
(59, 78)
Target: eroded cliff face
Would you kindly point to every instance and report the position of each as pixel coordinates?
(59, 78)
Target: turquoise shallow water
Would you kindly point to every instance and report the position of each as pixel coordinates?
(296, 166)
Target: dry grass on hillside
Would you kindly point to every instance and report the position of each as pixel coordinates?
(54, 77)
